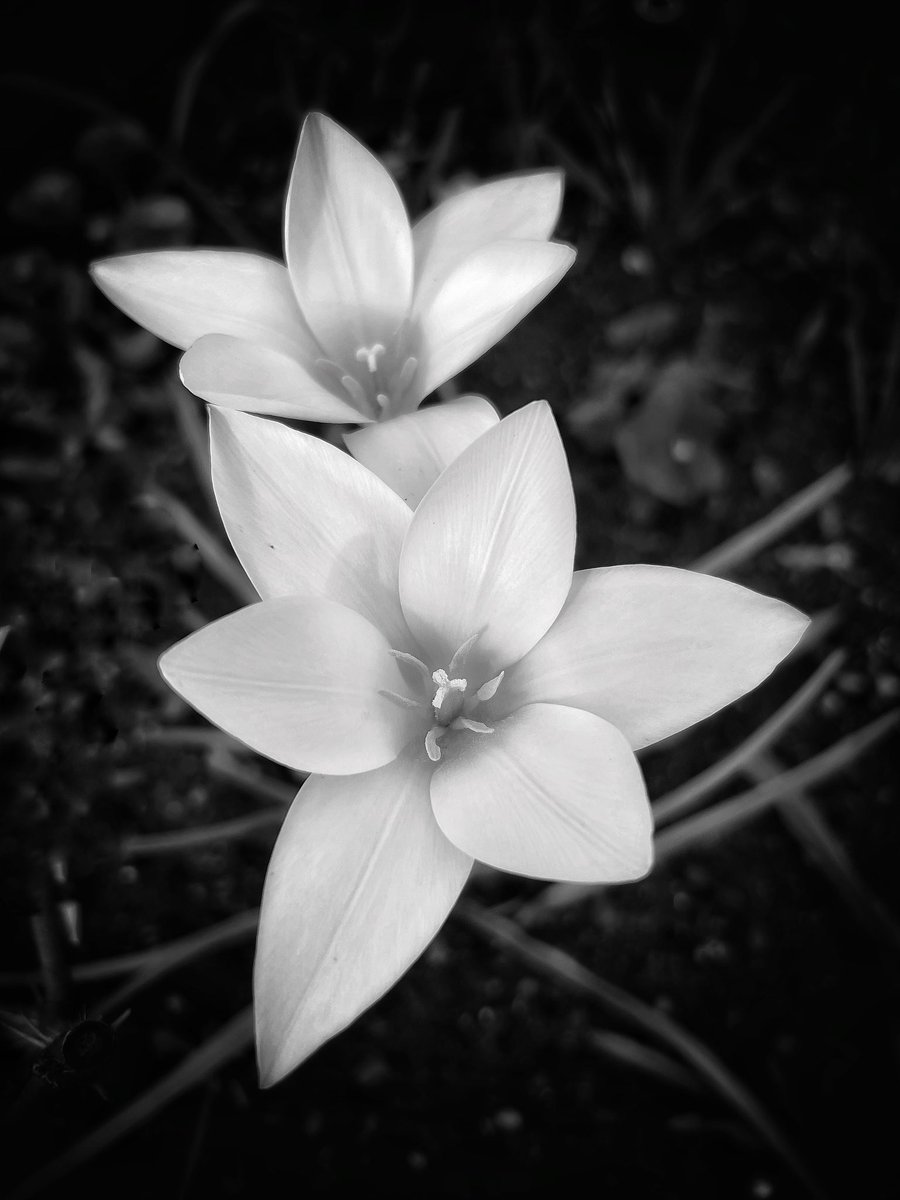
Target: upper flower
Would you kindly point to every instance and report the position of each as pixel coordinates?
(370, 314)
(459, 693)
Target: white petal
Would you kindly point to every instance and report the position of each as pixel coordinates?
(180, 295)
(300, 681)
(360, 881)
(409, 452)
(348, 242)
(516, 206)
(305, 519)
(653, 649)
(235, 373)
(481, 300)
(491, 546)
(553, 793)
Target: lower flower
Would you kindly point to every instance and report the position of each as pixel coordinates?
(457, 693)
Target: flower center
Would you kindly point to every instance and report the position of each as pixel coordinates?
(377, 378)
(453, 703)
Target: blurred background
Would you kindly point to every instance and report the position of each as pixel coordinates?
(723, 360)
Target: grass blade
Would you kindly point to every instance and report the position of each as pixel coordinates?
(812, 831)
(725, 817)
(153, 963)
(195, 737)
(563, 968)
(219, 562)
(194, 435)
(744, 545)
(635, 1055)
(145, 845)
(223, 765)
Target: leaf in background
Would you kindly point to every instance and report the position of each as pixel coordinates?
(668, 445)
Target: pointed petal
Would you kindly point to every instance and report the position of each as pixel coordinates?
(516, 206)
(409, 452)
(360, 881)
(491, 545)
(347, 241)
(653, 649)
(553, 793)
(180, 295)
(300, 681)
(235, 373)
(305, 519)
(481, 300)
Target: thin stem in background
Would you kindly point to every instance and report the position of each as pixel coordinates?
(813, 832)
(194, 434)
(145, 845)
(153, 963)
(725, 817)
(219, 561)
(736, 550)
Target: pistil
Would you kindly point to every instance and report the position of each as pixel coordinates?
(452, 705)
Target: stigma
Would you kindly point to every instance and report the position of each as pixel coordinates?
(369, 355)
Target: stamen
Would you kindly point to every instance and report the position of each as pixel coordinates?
(446, 685)
(460, 656)
(382, 400)
(405, 376)
(472, 726)
(357, 392)
(432, 749)
(489, 689)
(369, 355)
(403, 701)
(412, 660)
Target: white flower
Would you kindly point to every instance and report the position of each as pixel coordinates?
(370, 315)
(457, 692)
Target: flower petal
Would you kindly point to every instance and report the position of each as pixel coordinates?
(481, 300)
(516, 206)
(301, 681)
(653, 649)
(490, 547)
(305, 519)
(235, 373)
(410, 451)
(553, 793)
(180, 295)
(348, 242)
(360, 881)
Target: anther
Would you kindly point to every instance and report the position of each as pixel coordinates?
(472, 726)
(462, 653)
(489, 689)
(405, 376)
(411, 660)
(357, 392)
(432, 749)
(369, 355)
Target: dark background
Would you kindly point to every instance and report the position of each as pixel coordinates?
(728, 335)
